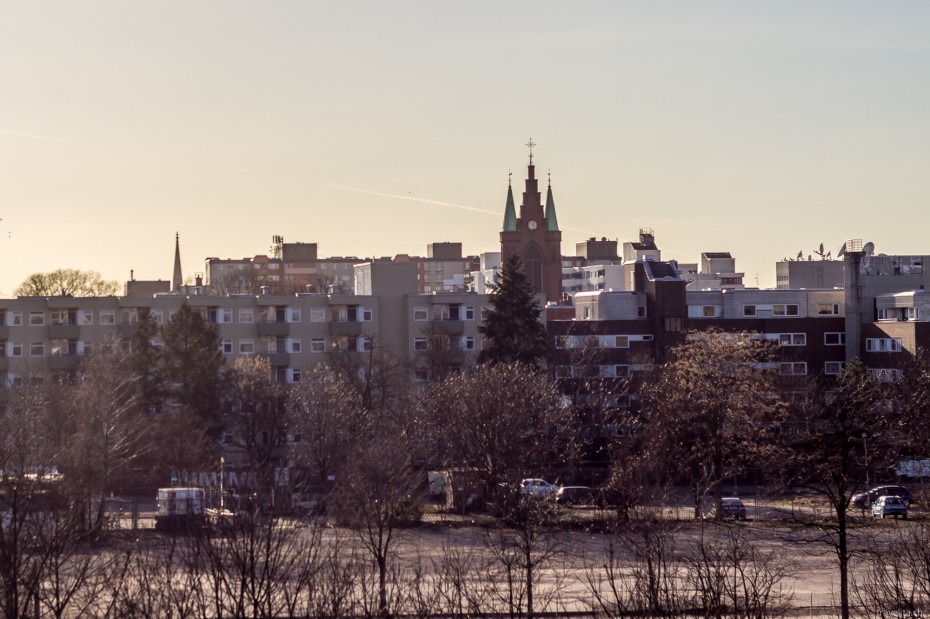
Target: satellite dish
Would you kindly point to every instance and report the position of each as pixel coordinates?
(869, 248)
(841, 251)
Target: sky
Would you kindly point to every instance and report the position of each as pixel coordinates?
(375, 128)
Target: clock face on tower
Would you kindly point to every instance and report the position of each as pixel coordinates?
(532, 224)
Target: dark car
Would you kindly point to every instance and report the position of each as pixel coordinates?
(575, 495)
(732, 507)
(864, 499)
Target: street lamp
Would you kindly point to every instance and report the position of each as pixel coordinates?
(865, 449)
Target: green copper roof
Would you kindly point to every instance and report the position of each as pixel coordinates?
(552, 222)
(510, 213)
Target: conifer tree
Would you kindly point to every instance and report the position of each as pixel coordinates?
(512, 329)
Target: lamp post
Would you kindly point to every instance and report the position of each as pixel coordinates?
(865, 449)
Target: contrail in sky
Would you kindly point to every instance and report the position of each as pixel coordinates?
(32, 135)
(414, 199)
(436, 202)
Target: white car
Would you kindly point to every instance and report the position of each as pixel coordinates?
(539, 488)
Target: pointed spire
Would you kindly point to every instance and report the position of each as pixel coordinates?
(177, 280)
(552, 224)
(510, 212)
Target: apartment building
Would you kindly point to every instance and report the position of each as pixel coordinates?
(44, 336)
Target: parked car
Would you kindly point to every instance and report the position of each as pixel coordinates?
(732, 507)
(538, 488)
(575, 495)
(864, 499)
(890, 506)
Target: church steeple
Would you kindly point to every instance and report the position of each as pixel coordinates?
(177, 280)
(552, 224)
(510, 212)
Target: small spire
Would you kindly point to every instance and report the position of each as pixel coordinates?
(510, 212)
(177, 279)
(552, 224)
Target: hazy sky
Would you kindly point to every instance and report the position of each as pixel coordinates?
(375, 128)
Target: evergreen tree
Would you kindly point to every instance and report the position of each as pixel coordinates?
(512, 329)
(191, 367)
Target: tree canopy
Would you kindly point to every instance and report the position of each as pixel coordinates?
(66, 283)
(512, 329)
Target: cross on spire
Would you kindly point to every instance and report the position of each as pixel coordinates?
(530, 145)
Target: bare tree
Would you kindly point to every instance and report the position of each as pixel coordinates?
(712, 404)
(257, 419)
(327, 413)
(504, 420)
(107, 429)
(66, 283)
(829, 459)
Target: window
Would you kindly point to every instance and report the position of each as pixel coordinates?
(709, 311)
(883, 344)
(293, 314)
(107, 317)
(246, 347)
(420, 374)
(886, 375)
(621, 370)
(793, 368)
(621, 341)
(592, 341)
(468, 342)
(129, 316)
(828, 309)
(36, 319)
(749, 310)
(293, 345)
(785, 310)
(85, 348)
(37, 349)
(246, 315)
(58, 348)
(364, 314)
(563, 371)
(834, 338)
(295, 375)
(59, 317)
(363, 344)
(792, 339)
(15, 349)
(226, 347)
(16, 319)
(224, 316)
(469, 313)
(563, 341)
(420, 344)
(318, 345)
(913, 313)
(673, 324)
(317, 314)
(834, 368)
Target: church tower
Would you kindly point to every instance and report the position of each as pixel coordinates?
(176, 279)
(534, 236)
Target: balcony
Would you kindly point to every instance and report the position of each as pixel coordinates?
(447, 327)
(69, 362)
(345, 328)
(4, 363)
(4, 332)
(125, 330)
(273, 329)
(278, 359)
(64, 332)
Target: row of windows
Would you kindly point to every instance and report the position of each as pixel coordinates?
(599, 341)
(131, 315)
(899, 313)
(600, 371)
(883, 344)
(441, 342)
(445, 312)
